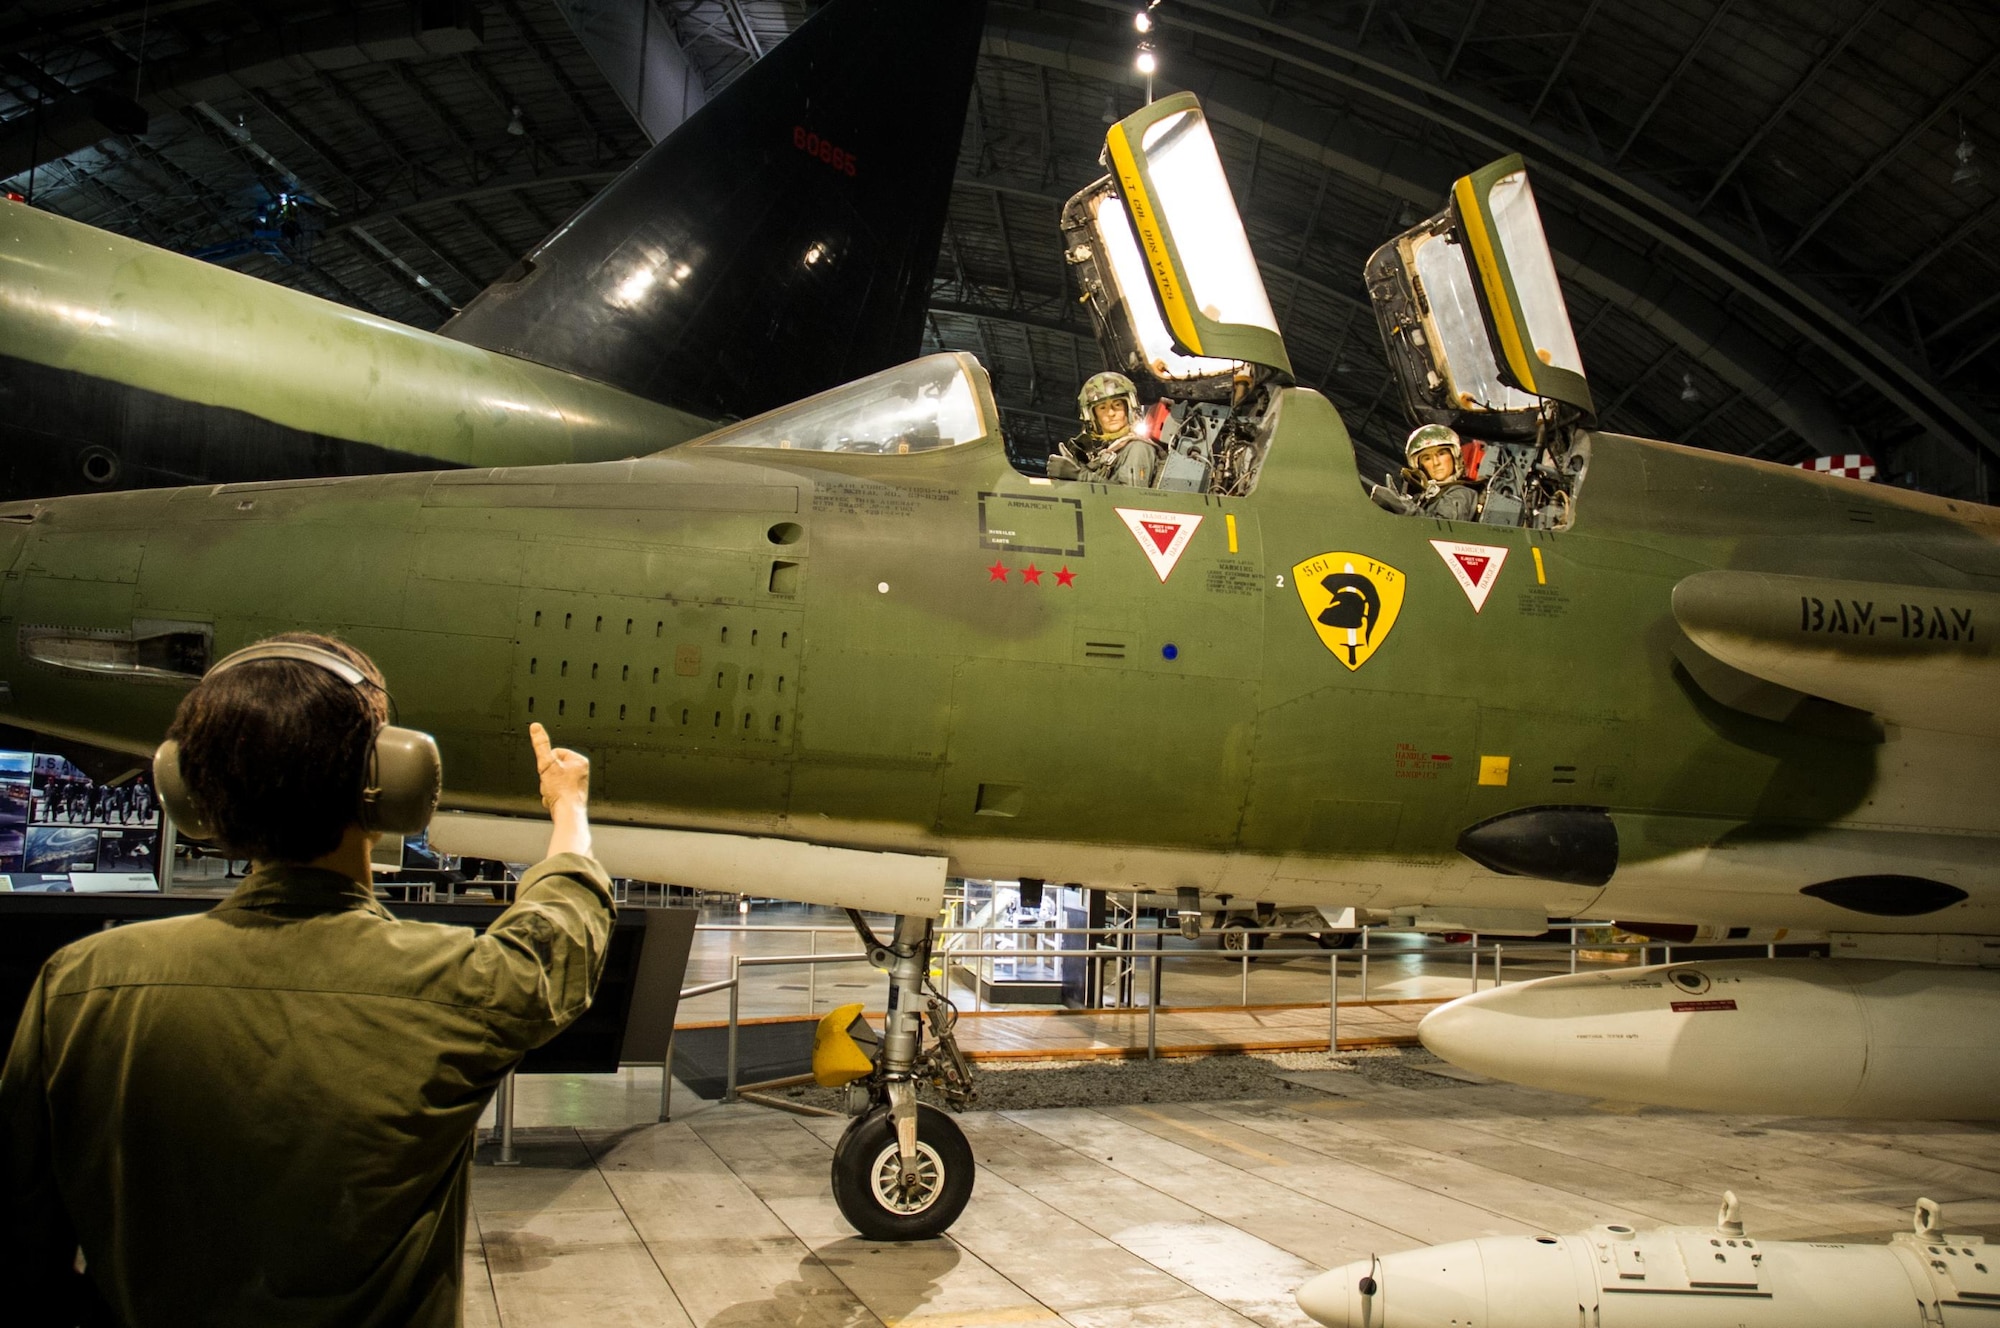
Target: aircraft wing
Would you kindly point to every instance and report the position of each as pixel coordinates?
(741, 864)
(1919, 656)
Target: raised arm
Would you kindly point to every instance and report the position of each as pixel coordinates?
(538, 964)
(565, 777)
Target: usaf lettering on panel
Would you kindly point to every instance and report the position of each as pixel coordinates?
(1863, 617)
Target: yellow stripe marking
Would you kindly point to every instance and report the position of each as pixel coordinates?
(1541, 575)
(1212, 1136)
(1152, 242)
(1230, 522)
(1488, 264)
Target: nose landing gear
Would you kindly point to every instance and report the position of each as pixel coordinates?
(903, 1170)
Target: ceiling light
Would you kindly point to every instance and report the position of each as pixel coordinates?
(1110, 109)
(1143, 21)
(1147, 63)
(1689, 392)
(1967, 157)
(514, 125)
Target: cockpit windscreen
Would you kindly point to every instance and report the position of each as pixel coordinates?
(938, 401)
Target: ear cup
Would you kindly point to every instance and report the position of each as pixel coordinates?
(174, 796)
(405, 779)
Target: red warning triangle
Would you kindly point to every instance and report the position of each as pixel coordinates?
(1476, 568)
(1163, 536)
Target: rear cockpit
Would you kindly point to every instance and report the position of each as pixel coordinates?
(1477, 335)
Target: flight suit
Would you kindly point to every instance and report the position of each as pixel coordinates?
(1456, 501)
(1133, 464)
(263, 1114)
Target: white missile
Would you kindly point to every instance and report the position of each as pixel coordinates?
(1674, 1277)
(1807, 1037)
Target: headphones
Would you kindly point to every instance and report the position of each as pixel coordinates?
(399, 789)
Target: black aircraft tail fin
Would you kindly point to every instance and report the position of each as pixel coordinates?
(780, 242)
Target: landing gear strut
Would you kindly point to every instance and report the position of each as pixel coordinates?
(903, 1170)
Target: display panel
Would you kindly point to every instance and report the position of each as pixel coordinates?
(56, 820)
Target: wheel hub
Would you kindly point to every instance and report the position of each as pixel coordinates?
(886, 1178)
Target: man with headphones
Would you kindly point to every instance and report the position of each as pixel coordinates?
(264, 1114)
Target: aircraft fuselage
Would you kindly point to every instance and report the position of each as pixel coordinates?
(934, 653)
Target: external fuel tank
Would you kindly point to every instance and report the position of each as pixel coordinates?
(1674, 1277)
(1806, 1037)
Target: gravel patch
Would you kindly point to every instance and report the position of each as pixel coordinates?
(1016, 1085)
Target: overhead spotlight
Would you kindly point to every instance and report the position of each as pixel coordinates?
(1147, 63)
(1689, 392)
(1143, 21)
(1110, 109)
(514, 125)
(1967, 156)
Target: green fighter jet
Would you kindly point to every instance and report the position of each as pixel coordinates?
(848, 648)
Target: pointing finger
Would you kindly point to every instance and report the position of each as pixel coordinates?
(539, 736)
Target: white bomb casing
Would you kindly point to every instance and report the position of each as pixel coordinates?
(1813, 1037)
(1675, 1277)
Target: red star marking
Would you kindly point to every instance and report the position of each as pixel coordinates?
(1032, 574)
(997, 572)
(1065, 577)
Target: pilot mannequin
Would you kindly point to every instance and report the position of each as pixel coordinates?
(1109, 448)
(1433, 483)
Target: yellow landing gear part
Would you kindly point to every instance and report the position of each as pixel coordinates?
(838, 1058)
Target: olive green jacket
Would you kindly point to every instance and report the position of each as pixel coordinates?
(264, 1114)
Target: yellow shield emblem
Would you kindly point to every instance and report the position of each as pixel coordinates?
(1352, 601)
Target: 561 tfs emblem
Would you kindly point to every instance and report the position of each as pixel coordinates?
(1352, 601)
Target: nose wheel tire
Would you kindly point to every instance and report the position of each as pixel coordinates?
(868, 1184)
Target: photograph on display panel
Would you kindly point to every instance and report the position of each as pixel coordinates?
(127, 850)
(64, 795)
(14, 768)
(61, 848)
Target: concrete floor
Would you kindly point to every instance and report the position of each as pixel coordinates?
(1198, 1214)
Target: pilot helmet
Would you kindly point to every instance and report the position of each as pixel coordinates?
(1104, 387)
(1432, 435)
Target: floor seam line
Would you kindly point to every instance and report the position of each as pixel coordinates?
(597, 1165)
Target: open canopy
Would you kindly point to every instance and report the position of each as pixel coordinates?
(1472, 312)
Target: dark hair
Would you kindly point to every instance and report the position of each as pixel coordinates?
(275, 750)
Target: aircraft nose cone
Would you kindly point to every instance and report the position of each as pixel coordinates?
(1332, 1298)
(1471, 1033)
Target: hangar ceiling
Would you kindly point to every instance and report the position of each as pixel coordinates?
(1773, 217)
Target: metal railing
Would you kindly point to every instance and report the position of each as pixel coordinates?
(1097, 956)
(1363, 952)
